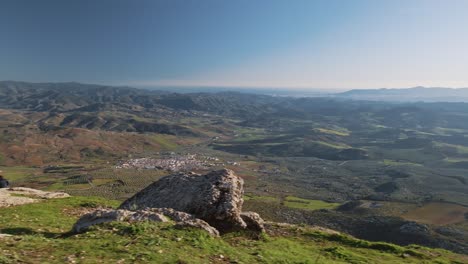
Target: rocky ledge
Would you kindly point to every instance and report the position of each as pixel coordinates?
(212, 202)
(21, 195)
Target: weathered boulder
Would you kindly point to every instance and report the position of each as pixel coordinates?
(153, 215)
(254, 221)
(21, 195)
(36, 193)
(108, 215)
(198, 223)
(215, 197)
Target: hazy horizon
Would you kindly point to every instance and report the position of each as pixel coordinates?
(236, 88)
(298, 45)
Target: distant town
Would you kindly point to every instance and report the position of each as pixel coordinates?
(175, 162)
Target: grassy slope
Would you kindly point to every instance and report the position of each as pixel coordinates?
(41, 236)
(295, 202)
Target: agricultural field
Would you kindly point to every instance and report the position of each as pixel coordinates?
(438, 214)
(306, 204)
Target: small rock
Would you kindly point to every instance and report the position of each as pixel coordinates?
(154, 214)
(108, 215)
(198, 223)
(5, 235)
(254, 221)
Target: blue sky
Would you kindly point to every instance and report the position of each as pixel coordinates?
(244, 43)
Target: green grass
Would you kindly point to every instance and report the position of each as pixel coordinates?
(45, 217)
(41, 236)
(306, 204)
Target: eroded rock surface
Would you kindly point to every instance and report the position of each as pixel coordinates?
(198, 223)
(254, 221)
(20, 195)
(153, 215)
(215, 197)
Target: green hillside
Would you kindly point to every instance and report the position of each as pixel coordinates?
(40, 235)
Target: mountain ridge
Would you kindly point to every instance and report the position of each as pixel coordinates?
(413, 94)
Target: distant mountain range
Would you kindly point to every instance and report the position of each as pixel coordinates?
(73, 95)
(415, 94)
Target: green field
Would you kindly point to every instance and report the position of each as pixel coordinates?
(306, 204)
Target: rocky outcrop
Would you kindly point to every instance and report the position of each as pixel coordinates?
(153, 215)
(37, 193)
(215, 197)
(20, 195)
(212, 202)
(100, 216)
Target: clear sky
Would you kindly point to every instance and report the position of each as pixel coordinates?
(330, 44)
